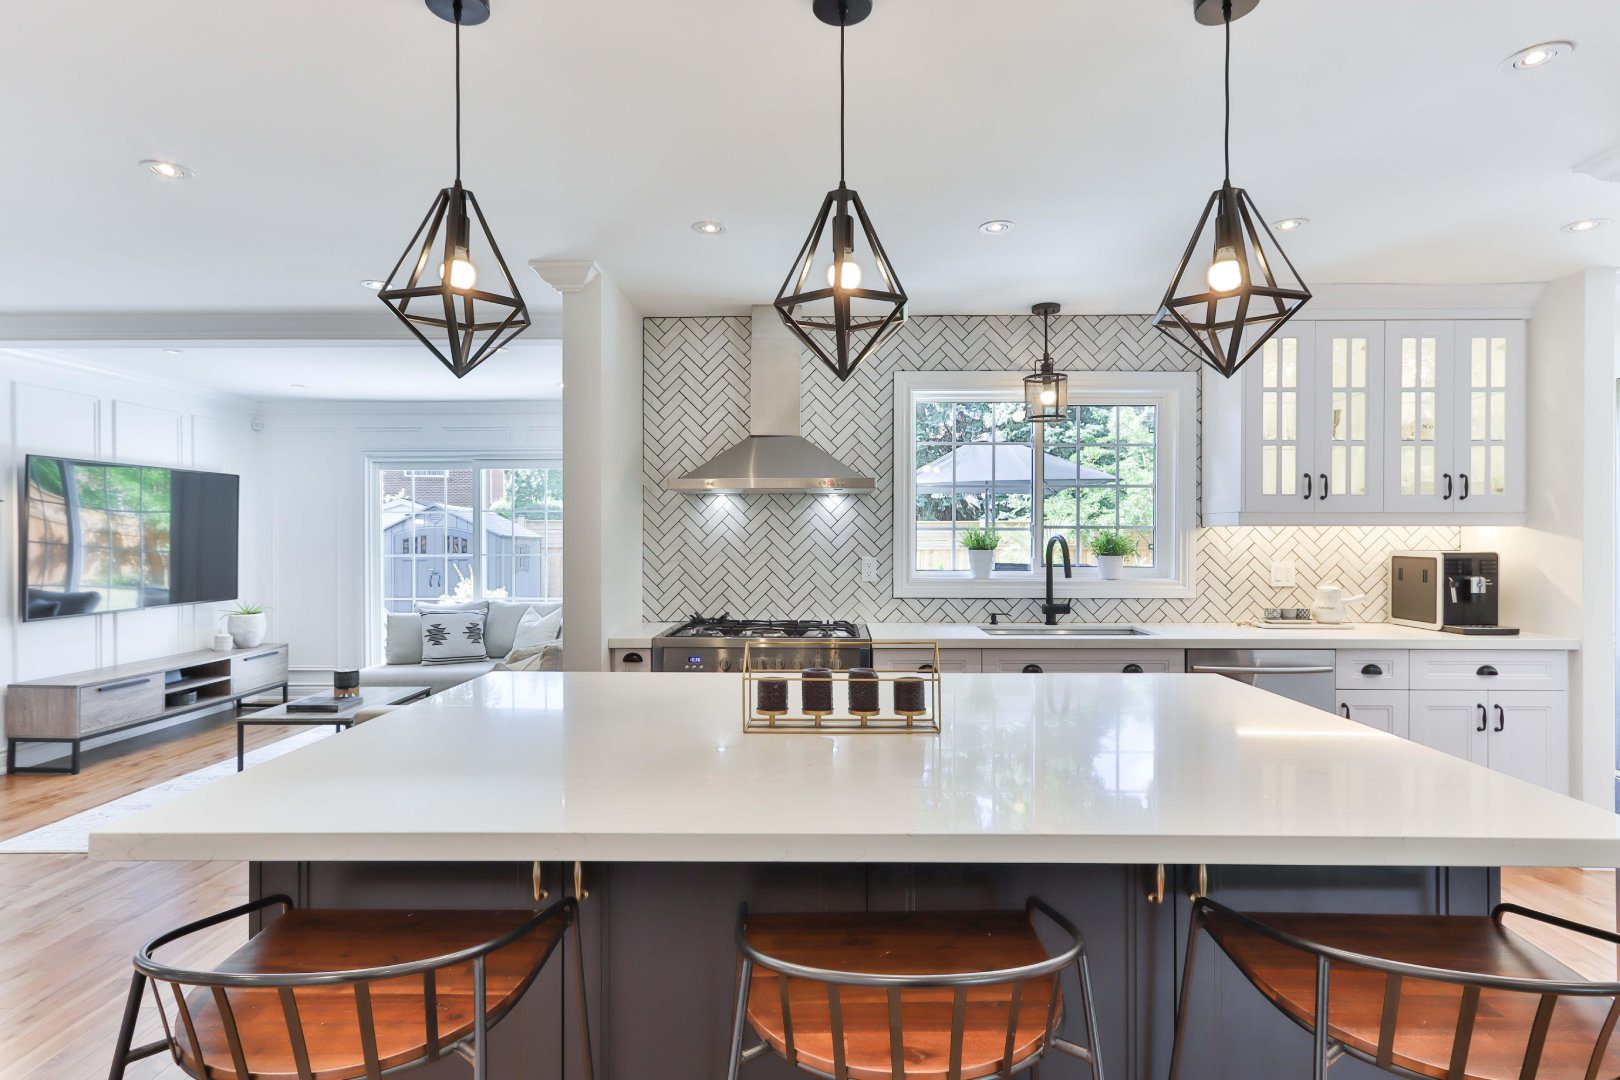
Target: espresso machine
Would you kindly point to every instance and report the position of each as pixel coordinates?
(1454, 591)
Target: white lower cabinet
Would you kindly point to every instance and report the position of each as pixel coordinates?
(1448, 722)
(962, 661)
(1523, 733)
(1082, 661)
(1385, 710)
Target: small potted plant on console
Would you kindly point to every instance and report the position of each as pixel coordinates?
(981, 547)
(246, 624)
(1111, 549)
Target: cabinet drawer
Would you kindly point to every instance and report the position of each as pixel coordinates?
(257, 670)
(121, 701)
(1084, 661)
(1370, 669)
(631, 660)
(1484, 670)
(959, 660)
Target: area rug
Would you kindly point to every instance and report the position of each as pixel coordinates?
(72, 834)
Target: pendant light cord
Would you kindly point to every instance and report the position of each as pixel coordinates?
(1226, 17)
(458, 91)
(843, 16)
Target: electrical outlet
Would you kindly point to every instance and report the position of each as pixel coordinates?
(1283, 573)
(869, 568)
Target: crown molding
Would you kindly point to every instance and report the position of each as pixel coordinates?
(565, 275)
(1389, 301)
(222, 329)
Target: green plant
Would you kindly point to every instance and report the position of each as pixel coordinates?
(1113, 543)
(246, 609)
(981, 540)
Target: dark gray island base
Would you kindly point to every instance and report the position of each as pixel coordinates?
(661, 963)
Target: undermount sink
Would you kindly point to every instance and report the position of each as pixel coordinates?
(1095, 630)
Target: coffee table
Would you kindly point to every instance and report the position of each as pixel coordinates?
(371, 697)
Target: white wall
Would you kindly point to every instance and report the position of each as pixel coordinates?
(53, 408)
(316, 462)
(1559, 570)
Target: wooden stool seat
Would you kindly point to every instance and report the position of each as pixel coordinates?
(313, 940)
(1427, 1013)
(905, 943)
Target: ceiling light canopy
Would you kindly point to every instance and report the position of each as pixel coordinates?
(1223, 306)
(1046, 392)
(1538, 56)
(473, 310)
(169, 170)
(846, 312)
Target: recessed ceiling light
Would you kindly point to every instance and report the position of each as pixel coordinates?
(996, 228)
(1538, 56)
(1289, 224)
(169, 170)
(1586, 224)
(174, 352)
(709, 228)
(372, 283)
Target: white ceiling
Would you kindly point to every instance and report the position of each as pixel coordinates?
(524, 371)
(319, 133)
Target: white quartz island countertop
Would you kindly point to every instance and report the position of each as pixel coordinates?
(1173, 636)
(1053, 768)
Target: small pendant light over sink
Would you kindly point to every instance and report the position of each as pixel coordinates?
(1224, 309)
(474, 310)
(845, 304)
(1047, 391)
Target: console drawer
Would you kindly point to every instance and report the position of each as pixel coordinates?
(257, 670)
(1484, 670)
(121, 701)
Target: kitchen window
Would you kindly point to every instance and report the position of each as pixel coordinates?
(966, 458)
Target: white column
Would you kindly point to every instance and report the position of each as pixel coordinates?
(602, 343)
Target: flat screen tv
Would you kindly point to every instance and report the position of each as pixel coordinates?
(101, 537)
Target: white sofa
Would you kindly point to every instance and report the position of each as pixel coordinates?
(403, 648)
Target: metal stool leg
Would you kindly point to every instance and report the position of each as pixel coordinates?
(126, 1029)
(480, 1023)
(1320, 1065)
(579, 988)
(740, 1019)
(1089, 1002)
(1186, 995)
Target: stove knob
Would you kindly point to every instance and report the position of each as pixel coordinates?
(725, 665)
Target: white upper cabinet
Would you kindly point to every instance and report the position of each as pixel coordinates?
(1366, 422)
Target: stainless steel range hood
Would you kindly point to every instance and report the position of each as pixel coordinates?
(775, 458)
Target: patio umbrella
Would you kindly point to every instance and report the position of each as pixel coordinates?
(1001, 465)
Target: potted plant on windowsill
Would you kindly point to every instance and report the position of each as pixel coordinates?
(981, 547)
(1111, 549)
(246, 624)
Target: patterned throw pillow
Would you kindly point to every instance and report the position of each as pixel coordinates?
(452, 637)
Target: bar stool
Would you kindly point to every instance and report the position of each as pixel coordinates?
(907, 995)
(1446, 996)
(348, 994)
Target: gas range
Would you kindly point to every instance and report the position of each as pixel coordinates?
(705, 643)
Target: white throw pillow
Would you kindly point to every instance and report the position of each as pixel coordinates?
(404, 638)
(535, 629)
(452, 637)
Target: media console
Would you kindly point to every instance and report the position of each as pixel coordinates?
(88, 704)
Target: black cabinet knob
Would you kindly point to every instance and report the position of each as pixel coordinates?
(1032, 669)
(1371, 669)
(1487, 671)
(1133, 669)
(633, 658)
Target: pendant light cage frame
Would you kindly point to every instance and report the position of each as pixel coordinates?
(842, 326)
(1046, 392)
(1225, 328)
(472, 321)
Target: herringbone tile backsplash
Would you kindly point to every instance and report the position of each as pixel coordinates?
(799, 556)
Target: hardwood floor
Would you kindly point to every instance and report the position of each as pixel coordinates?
(1584, 896)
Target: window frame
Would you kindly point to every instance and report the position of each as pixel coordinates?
(1174, 394)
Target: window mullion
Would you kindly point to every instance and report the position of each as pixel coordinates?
(478, 531)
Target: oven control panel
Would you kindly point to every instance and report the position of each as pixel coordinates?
(785, 658)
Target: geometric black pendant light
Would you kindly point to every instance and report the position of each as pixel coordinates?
(1046, 392)
(1224, 305)
(846, 301)
(462, 312)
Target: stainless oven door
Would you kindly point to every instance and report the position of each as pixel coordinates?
(1305, 675)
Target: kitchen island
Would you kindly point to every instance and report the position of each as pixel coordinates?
(643, 793)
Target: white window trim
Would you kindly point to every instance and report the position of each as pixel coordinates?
(1175, 395)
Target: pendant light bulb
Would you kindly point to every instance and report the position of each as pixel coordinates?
(1225, 273)
(1048, 397)
(461, 273)
(844, 275)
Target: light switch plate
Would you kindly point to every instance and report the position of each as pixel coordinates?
(1283, 573)
(869, 568)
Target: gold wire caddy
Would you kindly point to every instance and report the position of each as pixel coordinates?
(887, 719)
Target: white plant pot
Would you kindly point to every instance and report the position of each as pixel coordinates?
(981, 562)
(247, 630)
(223, 642)
(1111, 567)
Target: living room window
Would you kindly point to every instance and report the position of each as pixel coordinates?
(483, 530)
(966, 458)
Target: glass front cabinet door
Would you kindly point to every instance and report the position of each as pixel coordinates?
(1348, 418)
(1280, 386)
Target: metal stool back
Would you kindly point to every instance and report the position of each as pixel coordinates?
(898, 985)
(473, 1047)
(1327, 1050)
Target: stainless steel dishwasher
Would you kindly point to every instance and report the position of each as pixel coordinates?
(1302, 674)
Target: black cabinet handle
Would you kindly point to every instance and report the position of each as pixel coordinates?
(125, 685)
(1464, 478)
(1501, 718)
(1133, 669)
(1344, 707)
(1447, 495)
(633, 658)
(1484, 718)
(1324, 493)
(1032, 669)
(1487, 671)
(1371, 669)
(1307, 485)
